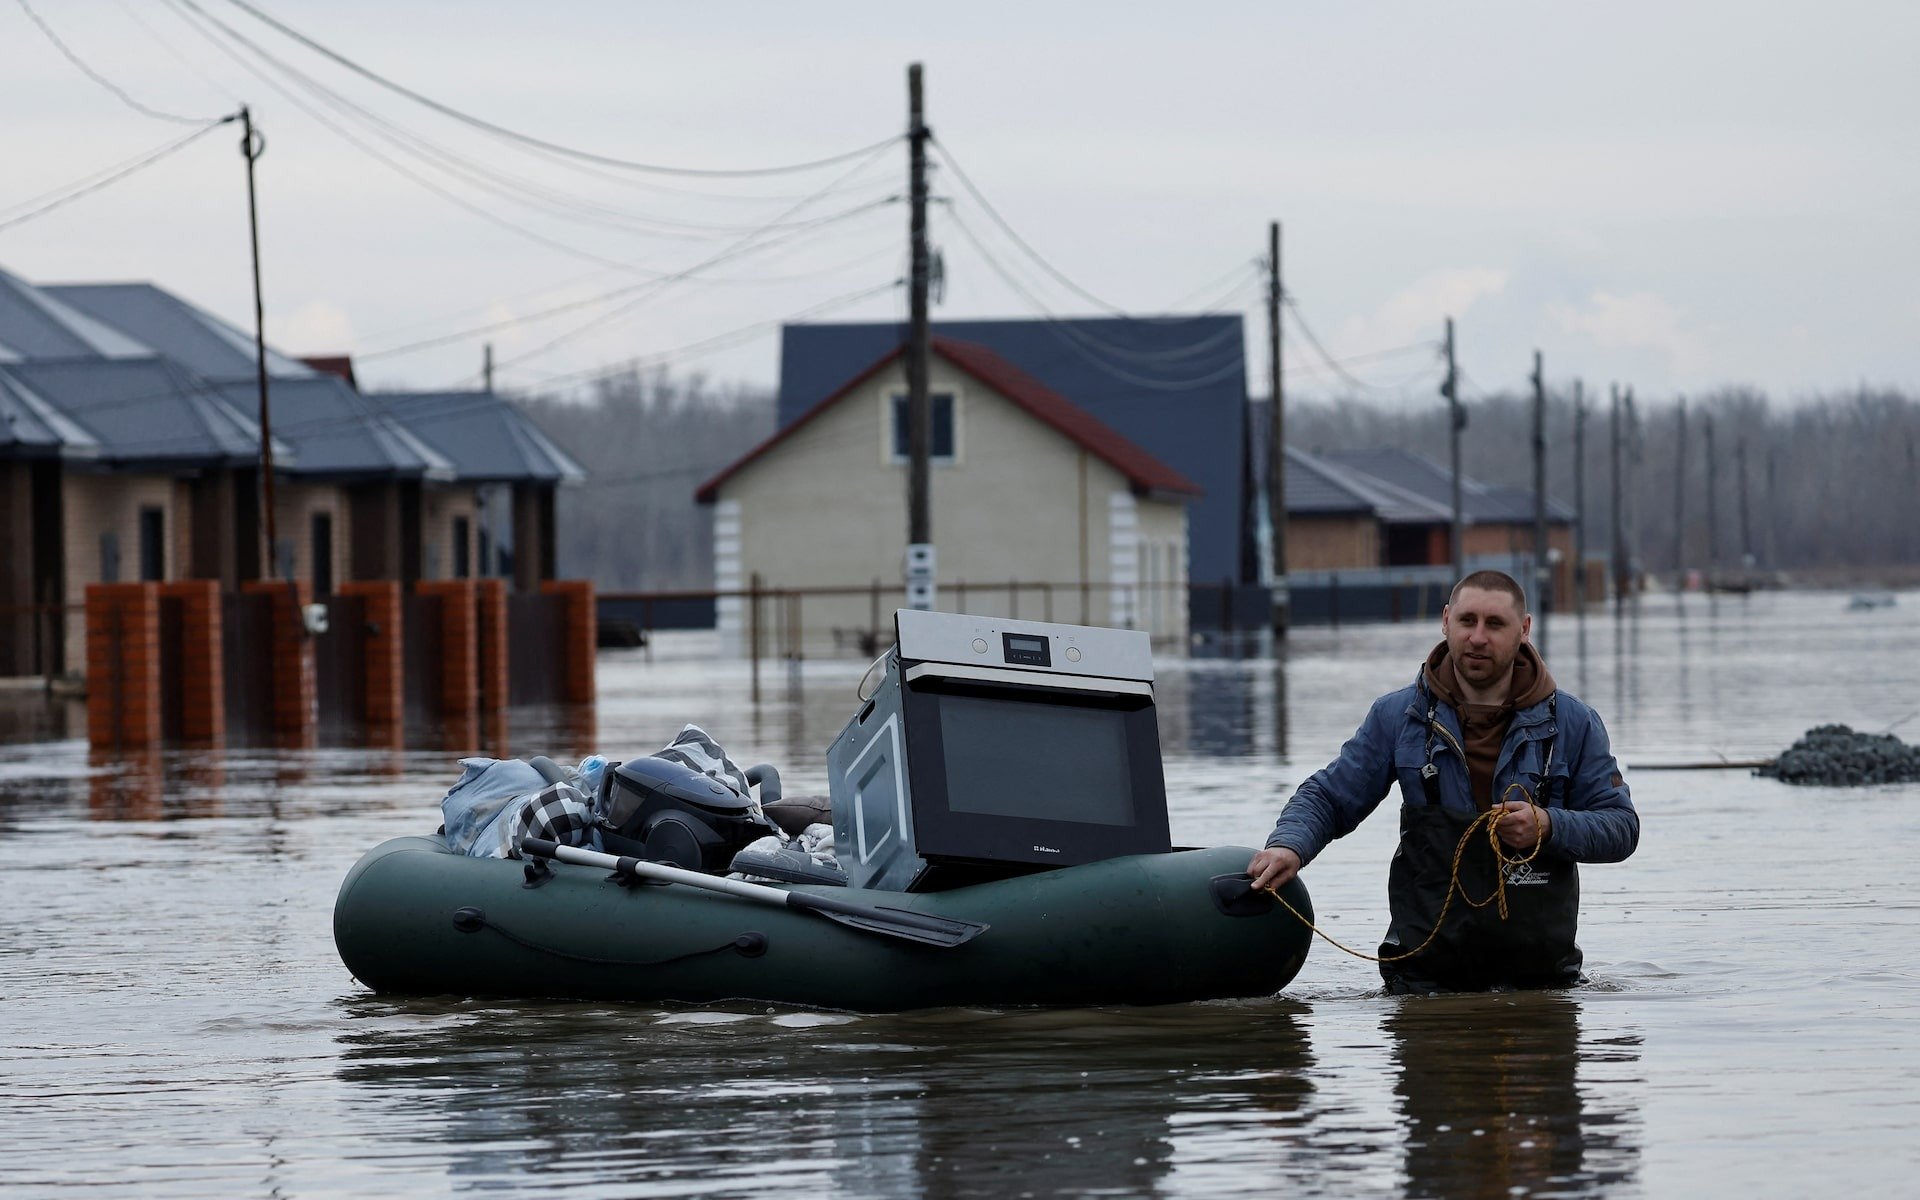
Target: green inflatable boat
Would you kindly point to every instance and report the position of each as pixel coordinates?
(415, 918)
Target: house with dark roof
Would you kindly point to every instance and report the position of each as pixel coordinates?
(1175, 385)
(1026, 486)
(1497, 519)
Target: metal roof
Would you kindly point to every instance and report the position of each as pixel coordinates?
(31, 427)
(1173, 386)
(485, 436)
(1480, 503)
(146, 410)
(336, 431)
(34, 324)
(203, 343)
(1142, 470)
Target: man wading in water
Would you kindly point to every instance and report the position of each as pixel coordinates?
(1482, 728)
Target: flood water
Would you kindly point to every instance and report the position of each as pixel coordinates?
(174, 1020)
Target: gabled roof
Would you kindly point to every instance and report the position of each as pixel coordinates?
(186, 333)
(1174, 384)
(32, 428)
(34, 324)
(335, 431)
(485, 436)
(146, 410)
(1480, 503)
(1142, 470)
(1317, 485)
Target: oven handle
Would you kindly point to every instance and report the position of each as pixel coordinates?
(1039, 680)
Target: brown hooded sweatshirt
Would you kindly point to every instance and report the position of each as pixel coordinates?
(1483, 727)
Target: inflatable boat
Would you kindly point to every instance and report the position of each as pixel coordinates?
(415, 918)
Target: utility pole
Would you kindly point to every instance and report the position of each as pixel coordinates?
(1542, 570)
(1277, 439)
(1579, 496)
(1680, 501)
(920, 557)
(1456, 421)
(1746, 525)
(1614, 526)
(1634, 449)
(1713, 525)
(486, 367)
(252, 145)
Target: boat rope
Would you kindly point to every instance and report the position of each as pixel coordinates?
(1491, 820)
(751, 944)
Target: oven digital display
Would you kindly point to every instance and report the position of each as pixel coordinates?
(1026, 649)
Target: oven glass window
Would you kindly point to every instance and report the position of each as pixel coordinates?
(1037, 761)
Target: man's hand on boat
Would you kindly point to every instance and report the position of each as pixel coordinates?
(1272, 867)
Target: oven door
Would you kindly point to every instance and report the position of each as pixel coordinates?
(1026, 767)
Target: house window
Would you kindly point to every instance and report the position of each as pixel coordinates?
(461, 566)
(153, 544)
(940, 443)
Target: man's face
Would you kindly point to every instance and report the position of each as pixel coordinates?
(1484, 630)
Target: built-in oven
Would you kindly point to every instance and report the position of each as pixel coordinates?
(993, 747)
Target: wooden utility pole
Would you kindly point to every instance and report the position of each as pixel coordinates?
(252, 145)
(1456, 421)
(1277, 439)
(1746, 525)
(1634, 450)
(1542, 570)
(1579, 495)
(1614, 525)
(920, 557)
(1713, 524)
(486, 368)
(1680, 500)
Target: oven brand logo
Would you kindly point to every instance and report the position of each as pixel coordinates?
(1045, 850)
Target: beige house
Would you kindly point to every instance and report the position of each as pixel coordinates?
(1039, 510)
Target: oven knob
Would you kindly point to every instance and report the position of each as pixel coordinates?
(979, 645)
(1073, 654)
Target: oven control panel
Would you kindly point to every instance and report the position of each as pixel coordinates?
(1024, 645)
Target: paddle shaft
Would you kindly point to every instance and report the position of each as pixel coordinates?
(760, 893)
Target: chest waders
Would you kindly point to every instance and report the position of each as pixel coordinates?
(1475, 949)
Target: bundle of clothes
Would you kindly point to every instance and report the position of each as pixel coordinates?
(498, 803)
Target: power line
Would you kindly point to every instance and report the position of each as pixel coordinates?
(118, 91)
(114, 175)
(1333, 364)
(541, 143)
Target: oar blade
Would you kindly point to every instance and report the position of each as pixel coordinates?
(910, 926)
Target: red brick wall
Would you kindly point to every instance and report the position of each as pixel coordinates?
(123, 664)
(203, 676)
(459, 643)
(493, 643)
(386, 686)
(295, 697)
(582, 633)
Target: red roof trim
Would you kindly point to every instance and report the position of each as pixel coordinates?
(1142, 470)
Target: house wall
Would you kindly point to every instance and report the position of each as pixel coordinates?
(94, 504)
(439, 506)
(1019, 503)
(1332, 543)
(294, 505)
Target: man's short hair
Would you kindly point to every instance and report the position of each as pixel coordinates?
(1492, 581)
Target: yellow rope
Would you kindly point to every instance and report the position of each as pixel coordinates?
(1491, 819)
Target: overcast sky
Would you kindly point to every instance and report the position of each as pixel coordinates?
(1672, 195)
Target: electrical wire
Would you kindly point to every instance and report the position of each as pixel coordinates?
(74, 191)
(541, 143)
(1334, 365)
(119, 92)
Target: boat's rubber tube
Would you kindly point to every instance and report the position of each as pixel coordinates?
(414, 918)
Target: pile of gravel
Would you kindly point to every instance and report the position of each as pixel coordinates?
(1836, 756)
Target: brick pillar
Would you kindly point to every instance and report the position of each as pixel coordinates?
(580, 637)
(295, 696)
(123, 665)
(386, 685)
(203, 670)
(459, 643)
(493, 644)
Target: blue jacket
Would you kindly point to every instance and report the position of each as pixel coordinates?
(1593, 816)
